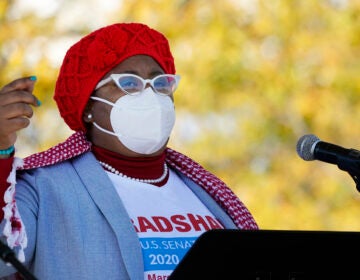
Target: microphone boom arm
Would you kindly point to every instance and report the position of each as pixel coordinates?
(351, 167)
(8, 256)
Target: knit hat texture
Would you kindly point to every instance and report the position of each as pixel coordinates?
(91, 58)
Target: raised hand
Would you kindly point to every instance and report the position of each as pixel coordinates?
(16, 101)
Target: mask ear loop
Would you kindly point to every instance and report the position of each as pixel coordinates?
(104, 130)
(94, 123)
(102, 100)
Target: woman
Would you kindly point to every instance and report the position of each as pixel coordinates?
(112, 201)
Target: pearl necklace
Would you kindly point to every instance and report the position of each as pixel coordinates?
(149, 181)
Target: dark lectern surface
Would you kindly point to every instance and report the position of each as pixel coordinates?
(272, 254)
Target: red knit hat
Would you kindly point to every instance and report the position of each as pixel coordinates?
(90, 59)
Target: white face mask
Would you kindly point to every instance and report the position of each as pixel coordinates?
(142, 122)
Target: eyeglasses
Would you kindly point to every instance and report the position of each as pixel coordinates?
(132, 84)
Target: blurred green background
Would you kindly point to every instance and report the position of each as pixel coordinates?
(256, 76)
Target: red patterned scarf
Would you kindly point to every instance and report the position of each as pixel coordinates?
(77, 144)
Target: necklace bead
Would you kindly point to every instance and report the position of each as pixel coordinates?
(149, 181)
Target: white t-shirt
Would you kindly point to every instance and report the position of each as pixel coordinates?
(168, 220)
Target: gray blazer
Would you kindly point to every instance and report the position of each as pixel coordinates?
(77, 227)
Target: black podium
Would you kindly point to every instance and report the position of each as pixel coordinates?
(272, 254)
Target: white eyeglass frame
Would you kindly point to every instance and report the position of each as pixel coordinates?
(115, 77)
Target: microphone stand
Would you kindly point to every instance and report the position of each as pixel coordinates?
(8, 256)
(352, 167)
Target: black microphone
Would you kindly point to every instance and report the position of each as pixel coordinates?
(310, 147)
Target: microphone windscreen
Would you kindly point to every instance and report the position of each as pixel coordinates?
(304, 146)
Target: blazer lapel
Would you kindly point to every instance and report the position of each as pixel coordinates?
(107, 199)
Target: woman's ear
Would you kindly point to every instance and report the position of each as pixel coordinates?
(87, 115)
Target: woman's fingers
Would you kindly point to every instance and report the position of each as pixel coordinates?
(20, 90)
(16, 102)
